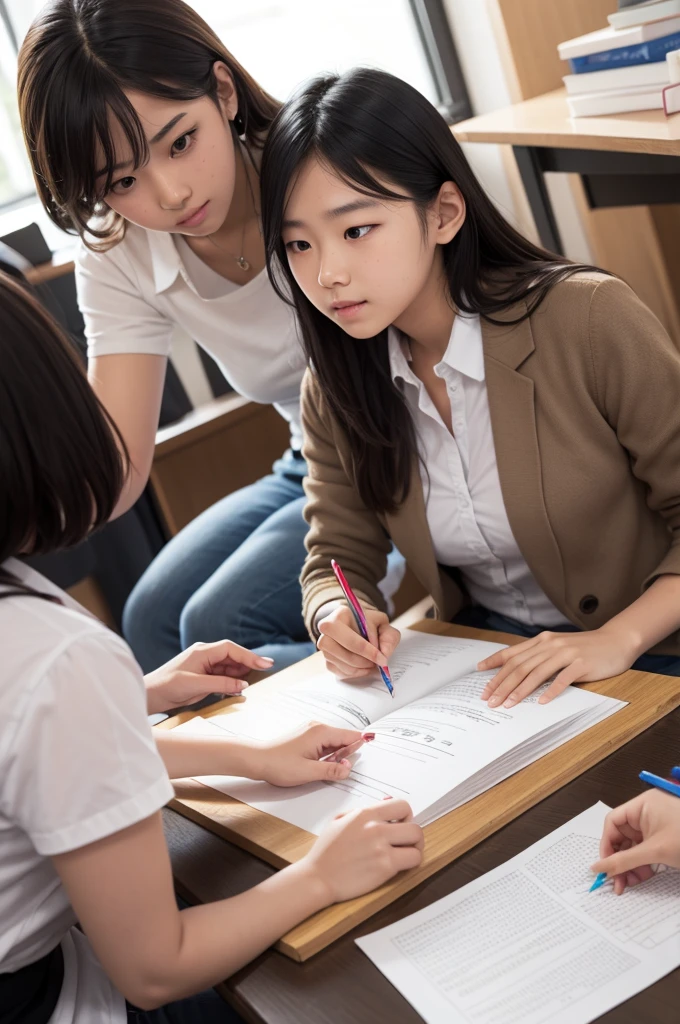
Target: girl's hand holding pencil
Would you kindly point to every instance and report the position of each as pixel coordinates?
(347, 653)
(638, 834)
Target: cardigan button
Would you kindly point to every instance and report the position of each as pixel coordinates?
(589, 604)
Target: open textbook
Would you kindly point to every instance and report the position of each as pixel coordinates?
(528, 944)
(437, 744)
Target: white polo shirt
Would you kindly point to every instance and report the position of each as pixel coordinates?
(77, 763)
(134, 296)
(465, 509)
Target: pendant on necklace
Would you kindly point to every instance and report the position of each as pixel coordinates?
(243, 263)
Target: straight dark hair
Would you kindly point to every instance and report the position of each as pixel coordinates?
(74, 65)
(62, 461)
(368, 128)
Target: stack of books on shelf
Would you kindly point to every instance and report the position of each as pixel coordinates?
(623, 68)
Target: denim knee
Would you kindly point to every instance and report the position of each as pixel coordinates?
(198, 622)
(135, 618)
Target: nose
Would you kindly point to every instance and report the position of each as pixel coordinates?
(172, 194)
(333, 271)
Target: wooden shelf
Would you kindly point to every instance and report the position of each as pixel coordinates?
(545, 121)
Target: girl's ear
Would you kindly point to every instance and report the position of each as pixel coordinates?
(226, 90)
(449, 213)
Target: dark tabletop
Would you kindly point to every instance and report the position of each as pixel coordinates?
(340, 985)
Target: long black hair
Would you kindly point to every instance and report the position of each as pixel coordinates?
(369, 127)
(74, 65)
(62, 461)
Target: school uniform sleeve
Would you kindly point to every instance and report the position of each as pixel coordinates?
(340, 525)
(637, 376)
(82, 763)
(118, 319)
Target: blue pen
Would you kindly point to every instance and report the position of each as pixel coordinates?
(659, 783)
(675, 772)
(599, 881)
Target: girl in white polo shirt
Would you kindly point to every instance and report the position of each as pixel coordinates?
(82, 781)
(145, 136)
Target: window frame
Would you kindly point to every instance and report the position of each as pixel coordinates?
(438, 44)
(434, 33)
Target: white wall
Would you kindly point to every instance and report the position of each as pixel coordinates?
(488, 88)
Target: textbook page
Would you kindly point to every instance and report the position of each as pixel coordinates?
(427, 753)
(528, 944)
(420, 664)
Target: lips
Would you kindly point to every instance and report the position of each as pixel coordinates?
(195, 216)
(345, 310)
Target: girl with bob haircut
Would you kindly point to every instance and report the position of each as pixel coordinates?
(507, 418)
(145, 135)
(82, 781)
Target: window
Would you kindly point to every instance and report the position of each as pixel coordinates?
(16, 180)
(281, 43)
(286, 42)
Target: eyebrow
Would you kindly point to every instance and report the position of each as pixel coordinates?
(338, 211)
(157, 138)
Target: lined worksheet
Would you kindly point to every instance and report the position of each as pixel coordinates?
(529, 944)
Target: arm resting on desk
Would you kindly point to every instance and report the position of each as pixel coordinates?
(121, 889)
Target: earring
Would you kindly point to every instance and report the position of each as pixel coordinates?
(239, 124)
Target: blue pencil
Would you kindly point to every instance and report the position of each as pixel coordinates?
(659, 783)
(599, 881)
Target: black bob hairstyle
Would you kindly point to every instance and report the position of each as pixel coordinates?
(62, 461)
(384, 139)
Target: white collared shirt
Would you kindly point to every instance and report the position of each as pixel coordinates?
(78, 763)
(135, 295)
(465, 509)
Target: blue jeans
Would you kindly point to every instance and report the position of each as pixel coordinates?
(481, 618)
(233, 573)
(205, 1008)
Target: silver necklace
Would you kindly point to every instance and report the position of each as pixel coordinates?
(240, 261)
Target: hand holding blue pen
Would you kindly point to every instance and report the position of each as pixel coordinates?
(641, 834)
(359, 618)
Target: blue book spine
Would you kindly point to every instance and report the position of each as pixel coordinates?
(626, 56)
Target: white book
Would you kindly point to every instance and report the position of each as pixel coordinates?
(643, 14)
(529, 943)
(638, 76)
(613, 39)
(671, 99)
(619, 101)
(437, 743)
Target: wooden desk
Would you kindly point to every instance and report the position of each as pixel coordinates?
(340, 985)
(649, 698)
(623, 160)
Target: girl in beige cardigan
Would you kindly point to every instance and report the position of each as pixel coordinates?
(508, 419)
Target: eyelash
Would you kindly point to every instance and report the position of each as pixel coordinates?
(185, 135)
(360, 227)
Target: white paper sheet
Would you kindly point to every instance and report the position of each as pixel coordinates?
(421, 663)
(528, 944)
(436, 753)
